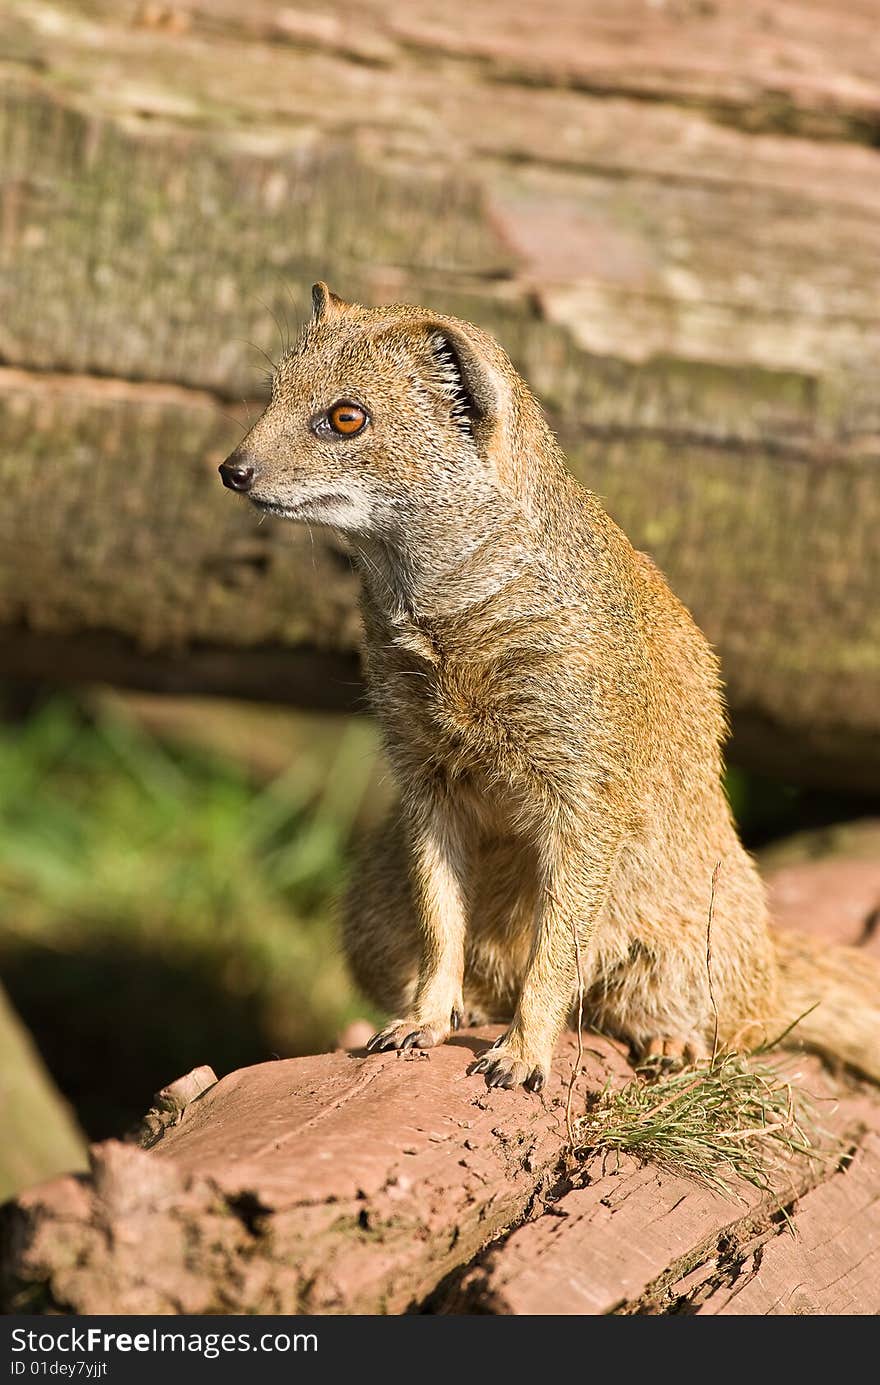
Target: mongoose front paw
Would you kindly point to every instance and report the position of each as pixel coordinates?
(409, 1033)
(503, 1068)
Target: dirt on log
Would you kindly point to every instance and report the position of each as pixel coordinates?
(347, 1183)
(668, 216)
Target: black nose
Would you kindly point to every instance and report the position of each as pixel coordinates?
(237, 474)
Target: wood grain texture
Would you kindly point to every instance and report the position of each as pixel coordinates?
(830, 1266)
(638, 1240)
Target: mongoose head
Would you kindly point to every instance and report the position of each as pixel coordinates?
(377, 416)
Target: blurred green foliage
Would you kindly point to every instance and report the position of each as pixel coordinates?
(159, 908)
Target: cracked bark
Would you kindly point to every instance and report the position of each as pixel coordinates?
(343, 1184)
(632, 1240)
(329, 1184)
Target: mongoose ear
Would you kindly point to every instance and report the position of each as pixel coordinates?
(325, 303)
(467, 378)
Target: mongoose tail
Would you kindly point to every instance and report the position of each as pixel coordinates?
(836, 993)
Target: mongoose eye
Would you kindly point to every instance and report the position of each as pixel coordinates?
(346, 418)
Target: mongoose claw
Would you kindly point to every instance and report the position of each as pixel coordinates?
(503, 1070)
(402, 1035)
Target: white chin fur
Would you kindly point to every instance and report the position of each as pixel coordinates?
(348, 513)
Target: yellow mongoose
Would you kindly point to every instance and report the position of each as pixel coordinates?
(552, 714)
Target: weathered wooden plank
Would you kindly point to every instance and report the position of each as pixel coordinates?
(834, 898)
(351, 1184)
(346, 1183)
(601, 1246)
(661, 233)
(636, 1239)
(804, 67)
(631, 1238)
(695, 303)
(136, 510)
(831, 1265)
(330, 1184)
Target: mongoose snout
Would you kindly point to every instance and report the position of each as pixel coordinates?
(237, 472)
(552, 715)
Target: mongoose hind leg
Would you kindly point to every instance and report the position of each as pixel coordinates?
(667, 1053)
(383, 944)
(380, 932)
(656, 961)
(656, 1006)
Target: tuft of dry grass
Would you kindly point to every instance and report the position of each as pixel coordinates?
(730, 1116)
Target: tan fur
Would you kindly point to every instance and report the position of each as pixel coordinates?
(553, 718)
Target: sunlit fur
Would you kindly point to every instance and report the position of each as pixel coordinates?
(552, 715)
